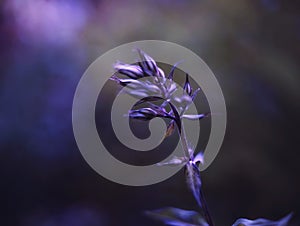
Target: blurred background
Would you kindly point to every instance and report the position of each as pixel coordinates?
(252, 46)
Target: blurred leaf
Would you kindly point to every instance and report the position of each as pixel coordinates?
(195, 117)
(177, 217)
(183, 100)
(171, 74)
(148, 99)
(193, 180)
(195, 93)
(173, 161)
(263, 222)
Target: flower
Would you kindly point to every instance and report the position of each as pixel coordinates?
(146, 80)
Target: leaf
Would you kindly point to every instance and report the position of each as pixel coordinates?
(195, 117)
(263, 222)
(195, 93)
(172, 87)
(175, 161)
(177, 217)
(171, 74)
(193, 180)
(183, 100)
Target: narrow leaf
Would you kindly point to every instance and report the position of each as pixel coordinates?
(195, 93)
(195, 117)
(175, 161)
(171, 74)
(193, 180)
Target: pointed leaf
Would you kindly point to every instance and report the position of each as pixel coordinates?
(175, 161)
(193, 180)
(195, 117)
(195, 93)
(183, 100)
(171, 73)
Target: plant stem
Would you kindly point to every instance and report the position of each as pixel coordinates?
(205, 209)
(184, 142)
(204, 206)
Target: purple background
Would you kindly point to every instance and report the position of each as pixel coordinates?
(252, 47)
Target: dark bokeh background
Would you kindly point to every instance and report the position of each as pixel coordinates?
(253, 48)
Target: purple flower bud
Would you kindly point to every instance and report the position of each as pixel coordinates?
(149, 66)
(125, 82)
(187, 86)
(132, 71)
(143, 113)
(149, 113)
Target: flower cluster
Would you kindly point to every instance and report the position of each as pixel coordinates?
(148, 82)
(159, 97)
